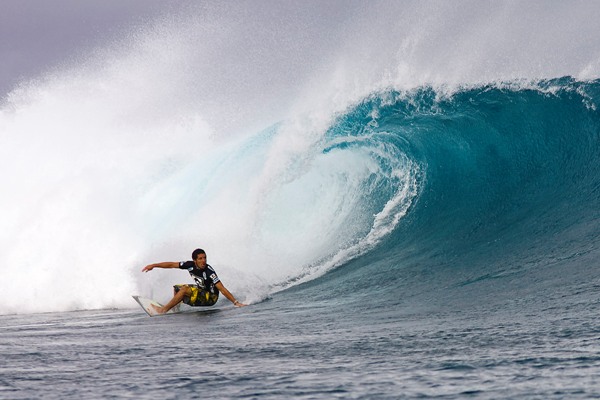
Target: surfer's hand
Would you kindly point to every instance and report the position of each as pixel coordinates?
(148, 268)
(238, 304)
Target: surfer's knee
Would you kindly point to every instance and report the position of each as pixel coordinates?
(185, 289)
(181, 289)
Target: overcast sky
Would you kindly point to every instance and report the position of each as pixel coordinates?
(287, 37)
(38, 34)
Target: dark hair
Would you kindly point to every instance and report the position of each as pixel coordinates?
(196, 253)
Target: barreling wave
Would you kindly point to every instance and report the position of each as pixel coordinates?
(508, 177)
(150, 145)
(433, 187)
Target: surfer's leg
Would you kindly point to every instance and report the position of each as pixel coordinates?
(174, 301)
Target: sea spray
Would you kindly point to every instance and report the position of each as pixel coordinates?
(166, 140)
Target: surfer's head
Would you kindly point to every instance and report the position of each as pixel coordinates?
(199, 257)
(197, 252)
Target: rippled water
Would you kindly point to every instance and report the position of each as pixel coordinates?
(283, 348)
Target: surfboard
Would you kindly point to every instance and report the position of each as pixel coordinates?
(146, 306)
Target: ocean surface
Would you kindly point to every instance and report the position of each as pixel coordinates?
(398, 229)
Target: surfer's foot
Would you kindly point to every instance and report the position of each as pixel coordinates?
(157, 309)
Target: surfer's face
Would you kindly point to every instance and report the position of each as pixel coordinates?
(200, 261)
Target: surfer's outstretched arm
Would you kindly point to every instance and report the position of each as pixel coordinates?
(167, 264)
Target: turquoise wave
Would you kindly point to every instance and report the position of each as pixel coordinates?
(508, 186)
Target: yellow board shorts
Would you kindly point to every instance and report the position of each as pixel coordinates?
(198, 297)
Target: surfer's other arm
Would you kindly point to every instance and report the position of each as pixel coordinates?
(166, 264)
(228, 295)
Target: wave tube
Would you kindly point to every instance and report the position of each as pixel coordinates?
(507, 189)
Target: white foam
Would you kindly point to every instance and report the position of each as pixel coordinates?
(147, 148)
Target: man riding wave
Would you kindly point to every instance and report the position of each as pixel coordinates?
(206, 290)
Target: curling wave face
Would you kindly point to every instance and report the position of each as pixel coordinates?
(507, 187)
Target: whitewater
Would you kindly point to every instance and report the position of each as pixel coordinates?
(406, 194)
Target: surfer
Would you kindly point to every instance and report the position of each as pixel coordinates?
(206, 290)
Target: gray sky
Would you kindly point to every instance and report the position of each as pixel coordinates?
(38, 34)
(235, 50)
(241, 49)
